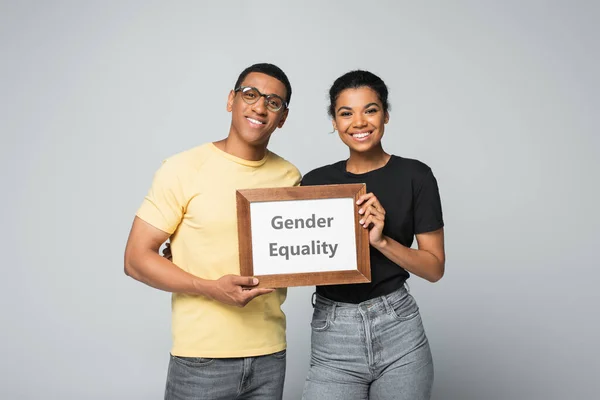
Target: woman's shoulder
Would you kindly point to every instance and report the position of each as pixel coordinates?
(322, 175)
(410, 166)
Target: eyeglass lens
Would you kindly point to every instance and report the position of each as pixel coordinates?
(251, 95)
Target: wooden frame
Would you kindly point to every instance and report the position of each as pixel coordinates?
(245, 197)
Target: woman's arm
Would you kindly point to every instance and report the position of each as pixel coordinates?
(427, 262)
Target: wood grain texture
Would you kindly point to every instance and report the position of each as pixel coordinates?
(244, 235)
(362, 240)
(312, 279)
(246, 196)
(301, 192)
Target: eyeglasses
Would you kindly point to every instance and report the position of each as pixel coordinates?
(251, 95)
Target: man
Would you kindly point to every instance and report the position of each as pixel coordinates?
(228, 335)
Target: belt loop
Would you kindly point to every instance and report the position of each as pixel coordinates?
(313, 299)
(388, 307)
(332, 315)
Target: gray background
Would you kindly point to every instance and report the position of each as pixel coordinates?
(500, 98)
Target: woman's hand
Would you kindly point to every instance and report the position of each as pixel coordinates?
(372, 217)
(167, 252)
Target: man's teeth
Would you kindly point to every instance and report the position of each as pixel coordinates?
(254, 121)
(361, 135)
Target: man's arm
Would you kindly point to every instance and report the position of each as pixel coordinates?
(143, 263)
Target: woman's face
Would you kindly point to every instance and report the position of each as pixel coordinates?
(359, 119)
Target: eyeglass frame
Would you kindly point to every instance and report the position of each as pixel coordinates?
(284, 105)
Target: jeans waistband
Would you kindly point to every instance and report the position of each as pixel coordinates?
(378, 304)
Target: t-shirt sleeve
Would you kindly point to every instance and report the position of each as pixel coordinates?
(427, 205)
(296, 177)
(308, 179)
(164, 205)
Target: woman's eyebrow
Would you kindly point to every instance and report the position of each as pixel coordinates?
(371, 104)
(364, 108)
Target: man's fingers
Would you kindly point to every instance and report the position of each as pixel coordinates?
(244, 280)
(249, 294)
(252, 293)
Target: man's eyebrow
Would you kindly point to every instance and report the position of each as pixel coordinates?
(266, 94)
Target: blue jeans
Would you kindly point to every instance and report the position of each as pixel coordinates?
(195, 378)
(373, 350)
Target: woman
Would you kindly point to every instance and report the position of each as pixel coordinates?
(368, 340)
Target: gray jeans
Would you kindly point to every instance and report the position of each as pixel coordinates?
(226, 378)
(373, 350)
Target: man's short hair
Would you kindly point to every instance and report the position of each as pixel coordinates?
(271, 70)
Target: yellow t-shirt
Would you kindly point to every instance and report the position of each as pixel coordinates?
(193, 198)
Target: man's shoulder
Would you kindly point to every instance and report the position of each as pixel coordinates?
(276, 158)
(190, 160)
(276, 161)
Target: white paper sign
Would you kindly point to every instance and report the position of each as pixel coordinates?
(303, 236)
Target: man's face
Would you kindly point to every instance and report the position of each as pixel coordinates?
(253, 124)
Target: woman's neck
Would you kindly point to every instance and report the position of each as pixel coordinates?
(360, 163)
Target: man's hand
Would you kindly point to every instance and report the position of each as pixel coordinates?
(236, 290)
(230, 289)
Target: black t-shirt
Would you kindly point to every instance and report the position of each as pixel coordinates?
(409, 193)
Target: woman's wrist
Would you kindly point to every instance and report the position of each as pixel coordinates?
(380, 244)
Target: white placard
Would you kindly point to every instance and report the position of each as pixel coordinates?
(296, 236)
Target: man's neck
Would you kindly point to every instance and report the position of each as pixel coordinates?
(241, 150)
